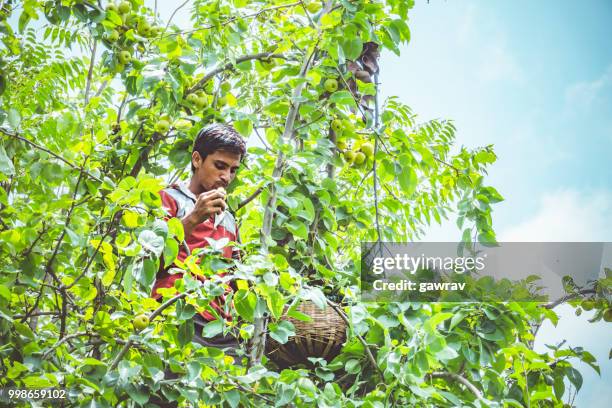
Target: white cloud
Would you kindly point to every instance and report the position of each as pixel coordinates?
(582, 95)
(566, 216)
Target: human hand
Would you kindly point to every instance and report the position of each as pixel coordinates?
(208, 204)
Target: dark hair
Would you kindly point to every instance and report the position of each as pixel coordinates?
(218, 136)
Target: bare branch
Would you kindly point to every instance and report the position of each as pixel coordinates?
(90, 71)
(375, 176)
(568, 297)
(251, 197)
(173, 14)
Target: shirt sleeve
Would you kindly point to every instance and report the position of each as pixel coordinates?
(169, 204)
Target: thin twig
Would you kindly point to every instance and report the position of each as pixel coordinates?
(44, 149)
(262, 140)
(366, 346)
(230, 65)
(153, 315)
(90, 71)
(571, 296)
(375, 177)
(255, 14)
(462, 380)
(447, 164)
(61, 341)
(250, 198)
(173, 14)
(110, 226)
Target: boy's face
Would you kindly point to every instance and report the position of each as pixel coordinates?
(217, 170)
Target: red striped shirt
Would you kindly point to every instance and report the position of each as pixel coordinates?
(226, 229)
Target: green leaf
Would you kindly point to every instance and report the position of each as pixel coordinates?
(149, 272)
(175, 228)
(487, 238)
(309, 212)
(14, 118)
(171, 250)
(138, 393)
(245, 303)
(184, 311)
(422, 362)
(343, 98)
(5, 293)
(281, 331)
(6, 164)
(212, 329)
(232, 397)
(276, 302)
(317, 297)
(447, 353)
(36, 381)
(559, 387)
(298, 229)
(244, 126)
(352, 366)
(186, 332)
(151, 242)
(574, 376)
(24, 330)
(439, 318)
(408, 180)
(16, 369)
(352, 48)
(457, 318)
(296, 314)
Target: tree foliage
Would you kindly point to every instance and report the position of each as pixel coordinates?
(98, 111)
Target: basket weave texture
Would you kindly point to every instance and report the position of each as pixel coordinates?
(322, 337)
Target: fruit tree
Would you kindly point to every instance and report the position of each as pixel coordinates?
(99, 106)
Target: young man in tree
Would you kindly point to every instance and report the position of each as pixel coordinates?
(200, 204)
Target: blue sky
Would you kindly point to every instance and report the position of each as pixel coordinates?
(535, 80)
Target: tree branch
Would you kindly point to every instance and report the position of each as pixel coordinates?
(251, 197)
(153, 315)
(90, 71)
(61, 341)
(258, 341)
(366, 346)
(173, 14)
(44, 149)
(462, 380)
(230, 66)
(375, 177)
(255, 14)
(570, 296)
(144, 154)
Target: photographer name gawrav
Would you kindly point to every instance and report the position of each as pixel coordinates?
(408, 285)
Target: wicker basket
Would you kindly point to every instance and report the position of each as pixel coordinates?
(322, 337)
